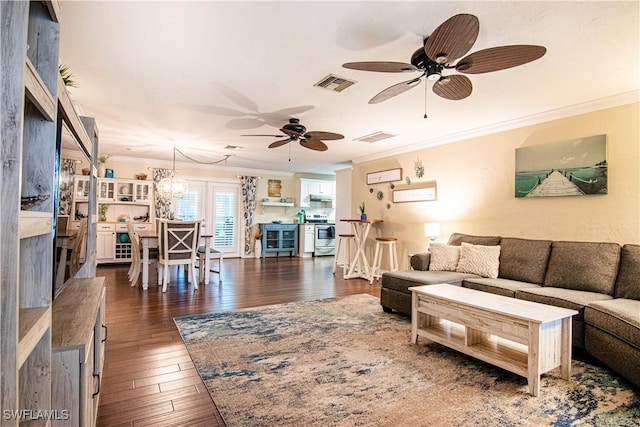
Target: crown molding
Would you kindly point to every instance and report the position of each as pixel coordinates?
(547, 116)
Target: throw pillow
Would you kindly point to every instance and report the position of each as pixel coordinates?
(481, 260)
(444, 257)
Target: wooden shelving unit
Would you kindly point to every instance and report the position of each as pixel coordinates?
(29, 62)
(33, 100)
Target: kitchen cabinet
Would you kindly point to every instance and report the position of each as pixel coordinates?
(113, 243)
(124, 198)
(77, 342)
(106, 242)
(279, 238)
(307, 234)
(314, 187)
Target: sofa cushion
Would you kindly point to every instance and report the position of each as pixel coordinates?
(404, 279)
(420, 261)
(619, 317)
(524, 260)
(583, 266)
(457, 239)
(628, 282)
(480, 260)
(505, 287)
(444, 257)
(560, 297)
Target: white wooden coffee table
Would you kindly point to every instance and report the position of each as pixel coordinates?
(533, 338)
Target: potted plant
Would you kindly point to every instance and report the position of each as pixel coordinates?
(363, 215)
(102, 159)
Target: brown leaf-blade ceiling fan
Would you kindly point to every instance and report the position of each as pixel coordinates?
(450, 41)
(294, 131)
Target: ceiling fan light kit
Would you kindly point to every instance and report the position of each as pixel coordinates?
(451, 40)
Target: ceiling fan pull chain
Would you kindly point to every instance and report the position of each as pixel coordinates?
(290, 144)
(426, 88)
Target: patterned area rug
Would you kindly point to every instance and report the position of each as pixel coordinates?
(344, 362)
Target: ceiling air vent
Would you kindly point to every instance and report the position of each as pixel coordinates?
(334, 83)
(374, 137)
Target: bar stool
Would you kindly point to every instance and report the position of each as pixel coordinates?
(347, 238)
(381, 242)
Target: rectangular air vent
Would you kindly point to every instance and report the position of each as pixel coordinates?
(374, 137)
(334, 83)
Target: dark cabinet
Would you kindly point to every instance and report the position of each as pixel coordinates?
(279, 238)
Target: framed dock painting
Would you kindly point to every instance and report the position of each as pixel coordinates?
(570, 168)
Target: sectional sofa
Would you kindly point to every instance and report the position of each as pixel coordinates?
(599, 280)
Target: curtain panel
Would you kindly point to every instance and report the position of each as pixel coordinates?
(163, 205)
(65, 191)
(249, 190)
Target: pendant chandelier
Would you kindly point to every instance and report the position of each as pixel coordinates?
(172, 187)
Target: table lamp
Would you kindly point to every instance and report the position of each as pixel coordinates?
(432, 230)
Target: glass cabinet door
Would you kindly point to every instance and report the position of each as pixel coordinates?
(273, 239)
(107, 191)
(288, 239)
(82, 188)
(142, 192)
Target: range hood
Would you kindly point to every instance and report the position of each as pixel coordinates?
(320, 198)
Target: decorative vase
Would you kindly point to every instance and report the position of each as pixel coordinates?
(363, 216)
(258, 248)
(102, 170)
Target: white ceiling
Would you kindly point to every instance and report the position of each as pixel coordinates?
(201, 74)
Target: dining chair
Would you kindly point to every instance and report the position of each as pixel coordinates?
(213, 255)
(136, 254)
(178, 244)
(77, 248)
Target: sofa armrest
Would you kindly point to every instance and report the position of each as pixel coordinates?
(420, 261)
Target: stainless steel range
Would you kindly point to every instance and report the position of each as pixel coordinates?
(325, 235)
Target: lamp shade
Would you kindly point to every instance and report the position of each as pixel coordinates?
(432, 230)
(172, 188)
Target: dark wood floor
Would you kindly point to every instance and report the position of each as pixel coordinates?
(149, 379)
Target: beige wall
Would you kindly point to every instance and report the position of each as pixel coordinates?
(475, 187)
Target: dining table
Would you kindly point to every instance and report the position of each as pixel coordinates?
(149, 239)
(359, 265)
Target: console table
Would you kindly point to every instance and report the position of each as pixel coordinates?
(279, 238)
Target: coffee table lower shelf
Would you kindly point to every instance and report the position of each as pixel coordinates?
(523, 337)
(494, 350)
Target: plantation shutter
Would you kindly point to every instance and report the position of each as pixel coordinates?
(225, 218)
(190, 207)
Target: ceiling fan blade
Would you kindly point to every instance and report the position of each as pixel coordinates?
(314, 144)
(499, 58)
(381, 66)
(329, 136)
(453, 87)
(453, 38)
(279, 143)
(394, 90)
(273, 136)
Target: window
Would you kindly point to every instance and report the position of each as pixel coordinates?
(217, 203)
(225, 218)
(188, 208)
